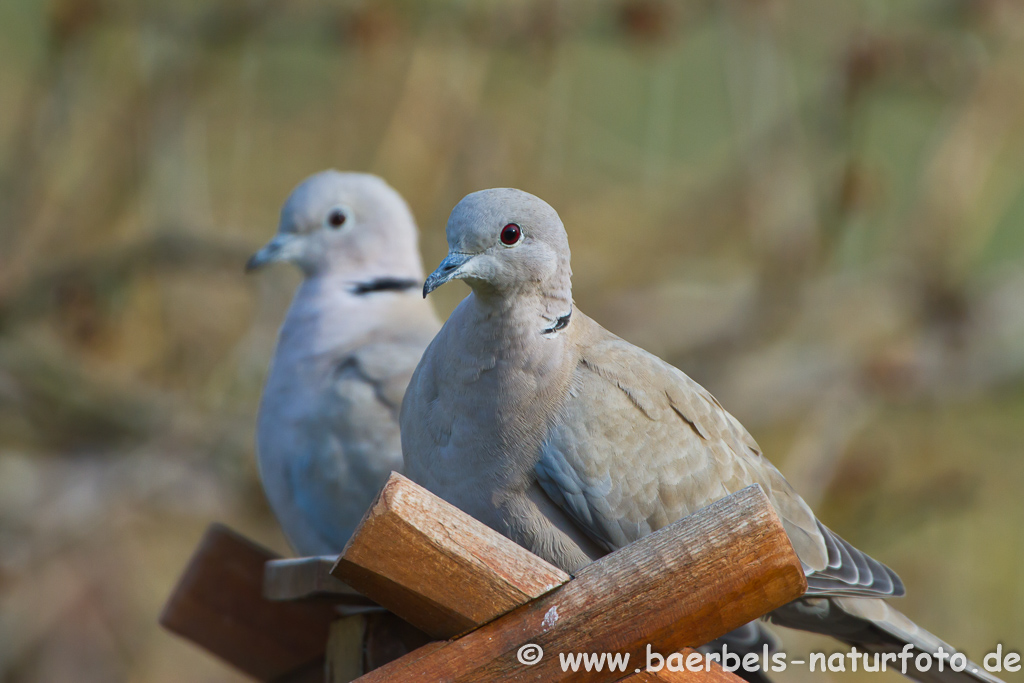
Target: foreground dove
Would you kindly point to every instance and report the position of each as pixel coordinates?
(534, 419)
(327, 433)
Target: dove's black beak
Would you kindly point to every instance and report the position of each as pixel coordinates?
(448, 270)
(284, 247)
(256, 261)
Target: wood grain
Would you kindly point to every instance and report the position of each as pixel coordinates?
(681, 586)
(218, 604)
(436, 567)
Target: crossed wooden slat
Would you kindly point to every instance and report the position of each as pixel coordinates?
(481, 597)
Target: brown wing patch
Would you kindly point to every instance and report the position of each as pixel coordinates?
(688, 421)
(633, 396)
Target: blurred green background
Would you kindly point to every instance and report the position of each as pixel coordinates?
(815, 208)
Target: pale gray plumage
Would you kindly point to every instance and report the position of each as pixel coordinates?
(327, 432)
(531, 417)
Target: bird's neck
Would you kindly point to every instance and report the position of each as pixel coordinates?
(524, 312)
(524, 372)
(331, 311)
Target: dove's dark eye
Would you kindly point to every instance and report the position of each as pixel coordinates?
(511, 234)
(336, 218)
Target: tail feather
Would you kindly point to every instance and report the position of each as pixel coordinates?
(850, 572)
(875, 627)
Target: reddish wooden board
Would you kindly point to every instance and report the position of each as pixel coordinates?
(219, 605)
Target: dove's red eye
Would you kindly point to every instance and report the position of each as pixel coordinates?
(511, 234)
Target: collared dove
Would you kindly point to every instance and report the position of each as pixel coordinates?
(534, 419)
(327, 433)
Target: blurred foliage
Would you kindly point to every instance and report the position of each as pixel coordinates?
(814, 208)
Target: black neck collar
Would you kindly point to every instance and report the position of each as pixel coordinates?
(561, 323)
(385, 284)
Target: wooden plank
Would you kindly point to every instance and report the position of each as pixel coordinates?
(437, 567)
(387, 637)
(681, 586)
(302, 578)
(364, 642)
(345, 650)
(218, 604)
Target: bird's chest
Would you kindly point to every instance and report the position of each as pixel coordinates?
(505, 390)
(495, 407)
(293, 405)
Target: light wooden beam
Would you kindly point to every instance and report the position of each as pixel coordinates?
(437, 567)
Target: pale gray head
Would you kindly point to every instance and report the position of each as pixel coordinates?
(506, 242)
(347, 224)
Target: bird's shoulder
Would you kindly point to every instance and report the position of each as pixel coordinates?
(657, 389)
(384, 360)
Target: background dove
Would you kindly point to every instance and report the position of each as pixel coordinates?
(533, 418)
(327, 433)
